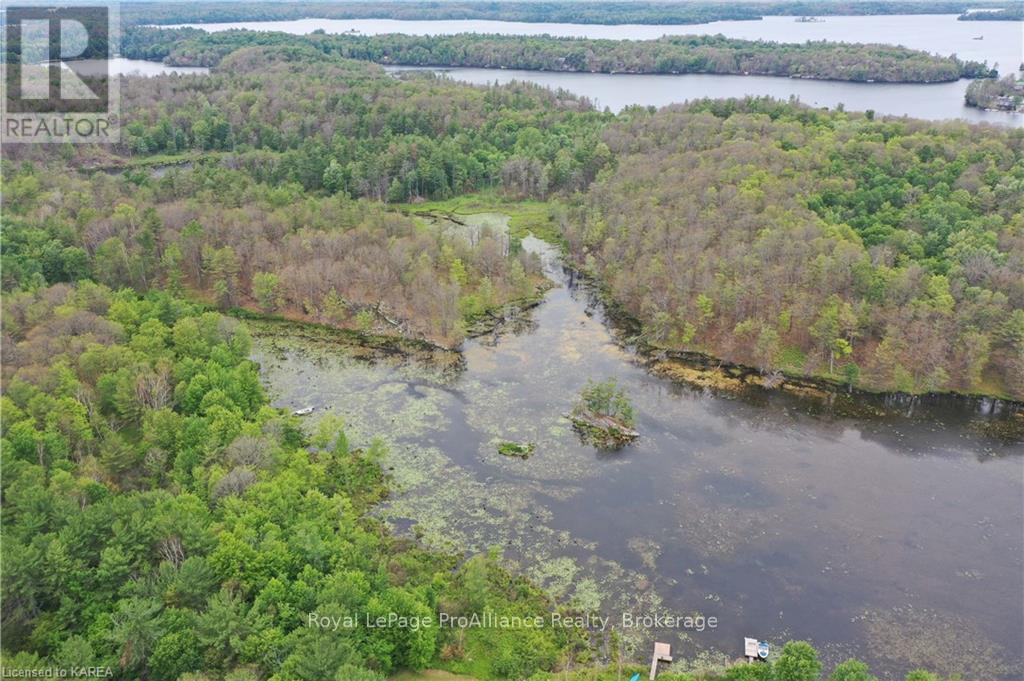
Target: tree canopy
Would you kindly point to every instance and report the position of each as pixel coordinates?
(886, 254)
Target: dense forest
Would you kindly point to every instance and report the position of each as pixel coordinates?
(670, 54)
(1006, 94)
(907, 272)
(268, 248)
(640, 12)
(245, 231)
(286, 114)
(887, 254)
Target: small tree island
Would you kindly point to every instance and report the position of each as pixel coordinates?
(604, 416)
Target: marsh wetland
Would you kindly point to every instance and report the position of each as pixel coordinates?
(890, 524)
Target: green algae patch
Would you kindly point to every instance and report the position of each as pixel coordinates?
(948, 643)
(647, 549)
(521, 450)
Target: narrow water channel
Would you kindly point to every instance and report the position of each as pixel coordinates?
(893, 531)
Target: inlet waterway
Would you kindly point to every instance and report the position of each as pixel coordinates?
(882, 528)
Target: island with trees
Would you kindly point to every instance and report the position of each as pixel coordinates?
(604, 415)
(669, 55)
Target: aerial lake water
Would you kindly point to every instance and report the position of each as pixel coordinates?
(939, 101)
(141, 67)
(999, 43)
(133, 67)
(889, 529)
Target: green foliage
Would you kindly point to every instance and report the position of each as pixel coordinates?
(604, 415)
(1015, 13)
(559, 11)
(606, 398)
(851, 670)
(921, 675)
(266, 289)
(669, 54)
(754, 671)
(798, 662)
(294, 270)
(161, 519)
(364, 320)
(1005, 93)
(173, 525)
(521, 450)
(879, 253)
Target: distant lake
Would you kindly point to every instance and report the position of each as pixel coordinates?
(1001, 44)
(939, 101)
(134, 67)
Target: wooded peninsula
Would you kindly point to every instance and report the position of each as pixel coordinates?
(670, 54)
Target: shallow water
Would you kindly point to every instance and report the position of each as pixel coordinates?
(133, 67)
(898, 533)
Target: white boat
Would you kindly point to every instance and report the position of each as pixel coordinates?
(305, 411)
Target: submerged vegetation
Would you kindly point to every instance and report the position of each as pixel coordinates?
(520, 450)
(204, 536)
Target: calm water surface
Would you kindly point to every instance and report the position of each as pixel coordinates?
(895, 537)
(1001, 43)
(133, 67)
(940, 101)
